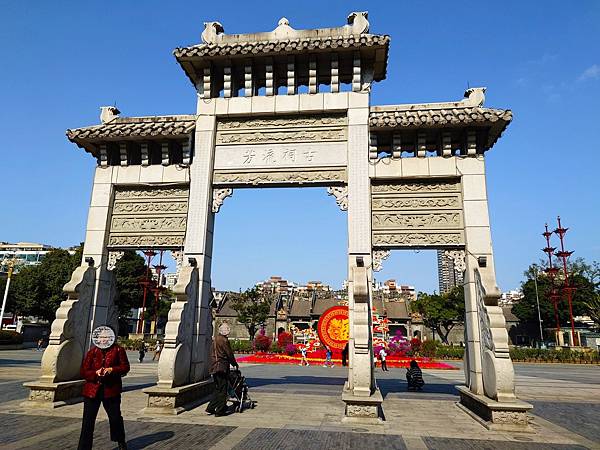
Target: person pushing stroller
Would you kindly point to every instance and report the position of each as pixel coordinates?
(221, 358)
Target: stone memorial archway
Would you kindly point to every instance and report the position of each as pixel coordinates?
(409, 176)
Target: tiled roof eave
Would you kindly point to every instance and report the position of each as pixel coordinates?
(144, 128)
(497, 120)
(285, 45)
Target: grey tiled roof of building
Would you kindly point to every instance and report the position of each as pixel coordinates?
(300, 308)
(396, 310)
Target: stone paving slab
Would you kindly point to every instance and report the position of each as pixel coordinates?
(581, 419)
(436, 443)
(294, 401)
(16, 430)
(272, 439)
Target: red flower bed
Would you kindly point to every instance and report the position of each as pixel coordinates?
(318, 357)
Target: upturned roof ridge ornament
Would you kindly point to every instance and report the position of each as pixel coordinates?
(474, 96)
(108, 113)
(211, 32)
(357, 23)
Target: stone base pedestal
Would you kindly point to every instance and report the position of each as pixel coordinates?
(502, 416)
(53, 395)
(178, 399)
(363, 409)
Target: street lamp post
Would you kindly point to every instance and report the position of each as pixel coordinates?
(537, 299)
(11, 265)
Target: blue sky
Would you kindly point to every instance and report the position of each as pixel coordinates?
(62, 60)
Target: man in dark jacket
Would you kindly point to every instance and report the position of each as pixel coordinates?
(221, 358)
(102, 369)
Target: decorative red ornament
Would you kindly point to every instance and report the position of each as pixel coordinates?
(334, 327)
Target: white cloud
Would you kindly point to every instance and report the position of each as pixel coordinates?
(591, 73)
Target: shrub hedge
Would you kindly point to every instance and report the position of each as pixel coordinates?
(8, 337)
(529, 355)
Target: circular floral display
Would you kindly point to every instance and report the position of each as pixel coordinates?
(334, 327)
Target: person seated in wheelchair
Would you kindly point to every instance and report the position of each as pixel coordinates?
(414, 377)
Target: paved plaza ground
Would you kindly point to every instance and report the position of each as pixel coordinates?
(301, 408)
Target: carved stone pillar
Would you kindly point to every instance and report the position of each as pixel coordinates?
(60, 383)
(489, 392)
(176, 390)
(361, 395)
(183, 376)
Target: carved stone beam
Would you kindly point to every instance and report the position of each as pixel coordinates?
(335, 78)
(165, 153)
(186, 150)
(144, 153)
(123, 153)
(378, 257)
(113, 257)
(178, 257)
(103, 156)
(206, 83)
(373, 151)
(341, 196)
(396, 145)
(421, 145)
(219, 196)
(446, 144)
(248, 82)
(313, 86)
(291, 76)
(269, 82)
(471, 143)
(227, 80)
(458, 260)
(356, 75)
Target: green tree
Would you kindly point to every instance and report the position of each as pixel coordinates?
(128, 271)
(442, 312)
(585, 290)
(37, 290)
(252, 309)
(593, 309)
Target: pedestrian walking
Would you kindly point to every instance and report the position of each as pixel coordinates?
(345, 355)
(157, 350)
(221, 358)
(304, 360)
(40, 344)
(328, 355)
(142, 352)
(382, 357)
(102, 369)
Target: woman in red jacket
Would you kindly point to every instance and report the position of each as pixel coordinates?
(102, 369)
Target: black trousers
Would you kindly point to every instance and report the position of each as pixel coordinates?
(112, 406)
(384, 365)
(218, 404)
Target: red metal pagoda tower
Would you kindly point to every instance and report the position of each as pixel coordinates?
(567, 287)
(552, 272)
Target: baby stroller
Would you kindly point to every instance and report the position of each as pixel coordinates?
(237, 391)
